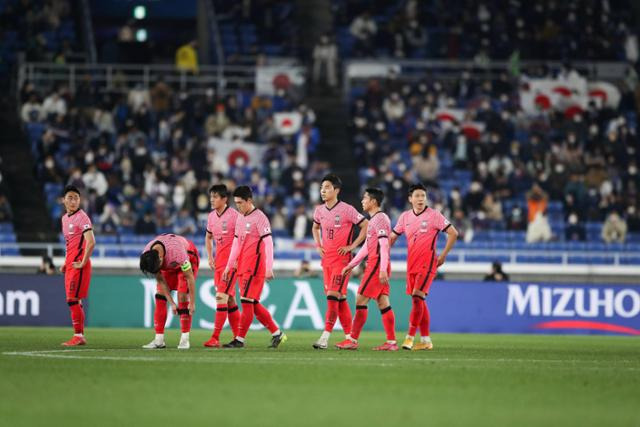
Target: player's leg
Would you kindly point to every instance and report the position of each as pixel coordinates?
(417, 307)
(332, 284)
(221, 310)
(74, 279)
(160, 312)
(262, 314)
(185, 318)
(359, 320)
(232, 305)
(388, 321)
(248, 312)
(425, 340)
(344, 313)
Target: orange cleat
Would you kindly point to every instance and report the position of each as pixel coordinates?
(347, 345)
(74, 341)
(423, 346)
(213, 342)
(387, 347)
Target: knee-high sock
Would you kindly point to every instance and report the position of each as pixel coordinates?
(221, 317)
(234, 318)
(344, 314)
(264, 317)
(415, 317)
(246, 318)
(77, 316)
(185, 317)
(389, 323)
(160, 314)
(332, 313)
(359, 321)
(425, 321)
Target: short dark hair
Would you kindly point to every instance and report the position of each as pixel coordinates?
(417, 186)
(333, 179)
(219, 189)
(70, 188)
(376, 194)
(244, 192)
(150, 262)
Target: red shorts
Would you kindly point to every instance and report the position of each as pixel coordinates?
(76, 282)
(370, 286)
(228, 287)
(333, 279)
(251, 286)
(175, 278)
(419, 281)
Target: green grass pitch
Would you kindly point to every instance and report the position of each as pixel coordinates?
(467, 380)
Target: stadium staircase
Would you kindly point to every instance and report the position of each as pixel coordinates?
(30, 214)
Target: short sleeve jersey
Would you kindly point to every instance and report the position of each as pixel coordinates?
(222, 228)
(176, 255)
(422, 232)
(73, 228)
(251, 229)
(337, 228)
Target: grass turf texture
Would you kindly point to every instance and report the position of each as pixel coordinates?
(467, 380)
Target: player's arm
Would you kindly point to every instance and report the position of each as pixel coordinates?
(394, 237)
(452, 236)
(164, 290)
(315, 230)
(362, 253)
(233, 257)
(383, 241)
(88, 249)
(268, 256)
(191, 284)
(362, 234)
(208, 243)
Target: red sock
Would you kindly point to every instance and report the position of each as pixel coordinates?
(359, 321)
(264, 317)
(246, 318)
(76, 316)
(345, 316)
(160, 314)
(417, 310)
(425, 322)
(185, 317)
(234, 318)
(332, 313)
(389, 323)
(221, 317)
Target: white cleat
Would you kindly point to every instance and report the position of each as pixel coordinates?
(321, 344)
(184, 344)
(154, 345)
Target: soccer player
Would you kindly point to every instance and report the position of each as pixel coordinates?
(221, 227)
(174, 261)
(80, 241)
(375, 280)
(333, 230)
(252, 249)
(421, 225)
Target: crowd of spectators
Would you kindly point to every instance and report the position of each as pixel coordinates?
(488, 29)
(547, 173)
(146, 158)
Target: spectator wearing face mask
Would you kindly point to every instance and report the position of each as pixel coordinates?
(575, 231)
(614, 229)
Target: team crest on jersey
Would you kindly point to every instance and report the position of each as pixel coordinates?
(224, 226)
(336, 221)
(423, 226)
(247, 227)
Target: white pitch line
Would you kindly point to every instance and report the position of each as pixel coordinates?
(215, 358)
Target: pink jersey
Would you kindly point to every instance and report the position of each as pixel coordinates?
(379, 228)
(176, 251)
(73, 228)
(222, 228)
(422, 232)
(251, 229)
(337, 228)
